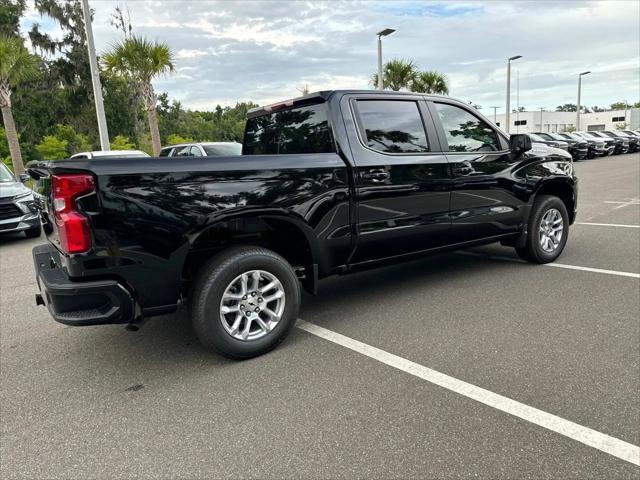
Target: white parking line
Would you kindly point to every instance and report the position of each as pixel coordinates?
(587, 436)
(557, 265)
(608, 225)
(634, 201)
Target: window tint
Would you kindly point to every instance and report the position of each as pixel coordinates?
(195, 152)
(393, 126)
(165, 152)
(297, 130)
(466, 132)
(520, 122)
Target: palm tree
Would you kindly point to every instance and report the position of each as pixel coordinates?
(396, 74)
(430, 82)
(142, 60)
(16, 66)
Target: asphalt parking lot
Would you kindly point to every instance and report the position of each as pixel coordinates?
(565, 340)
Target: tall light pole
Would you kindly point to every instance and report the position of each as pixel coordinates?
(578, 105)
(495, 120)
(95, 78)
(381, 33)
(510, 59)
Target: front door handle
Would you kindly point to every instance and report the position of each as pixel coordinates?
(375, 175)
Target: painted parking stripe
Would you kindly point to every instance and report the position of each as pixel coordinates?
(608, 225)
(587, 436)
(556, 265)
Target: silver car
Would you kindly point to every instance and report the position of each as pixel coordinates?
(18, 212)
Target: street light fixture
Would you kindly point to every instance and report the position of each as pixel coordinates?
(578, 105)
(381, 33)
(508, 112)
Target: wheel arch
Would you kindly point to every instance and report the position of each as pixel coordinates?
(288, 236)
(564, 190)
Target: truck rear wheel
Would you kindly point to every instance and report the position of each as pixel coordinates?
(245, 302)
(548, 230)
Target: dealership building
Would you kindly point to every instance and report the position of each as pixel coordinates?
(537, 121)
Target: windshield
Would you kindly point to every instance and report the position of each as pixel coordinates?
(537, 138)
(5, 175)
(545, 136)
(223, 149)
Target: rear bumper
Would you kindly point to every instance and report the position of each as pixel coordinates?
(94, 302)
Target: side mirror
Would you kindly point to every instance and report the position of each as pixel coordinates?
(519, 143)
(24, 177)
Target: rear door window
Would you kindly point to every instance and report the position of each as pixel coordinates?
(293, 131)
(392, 126)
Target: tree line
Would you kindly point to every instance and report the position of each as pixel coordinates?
(46, 94)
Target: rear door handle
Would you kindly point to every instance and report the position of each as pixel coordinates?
(375, 175)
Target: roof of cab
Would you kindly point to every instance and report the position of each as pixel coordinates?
(324, 95)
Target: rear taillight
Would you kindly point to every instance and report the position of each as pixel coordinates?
(73, 227)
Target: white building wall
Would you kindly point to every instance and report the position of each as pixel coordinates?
(559, 121)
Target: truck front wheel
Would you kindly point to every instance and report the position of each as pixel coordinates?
(548, 230)
(245, 302)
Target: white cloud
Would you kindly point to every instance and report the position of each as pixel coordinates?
(265, 50)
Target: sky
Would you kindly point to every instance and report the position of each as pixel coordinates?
(264, 51)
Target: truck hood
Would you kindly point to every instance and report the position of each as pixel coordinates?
(11, 189)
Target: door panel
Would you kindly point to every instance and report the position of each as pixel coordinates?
(483, 199)
(402, 186)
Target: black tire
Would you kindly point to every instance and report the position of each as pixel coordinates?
(34, 231)
(533, 251)
(213, 280)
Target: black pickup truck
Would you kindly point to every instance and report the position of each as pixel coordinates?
(327, 184)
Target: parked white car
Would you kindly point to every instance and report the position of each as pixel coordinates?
(111, 154)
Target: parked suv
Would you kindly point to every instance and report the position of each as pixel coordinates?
(632, 139)
(202, 149)
(596, 147)
(579, 149)
(18, 212)
(621, 145)
(562, 145)
(609, 143)
(328, 183)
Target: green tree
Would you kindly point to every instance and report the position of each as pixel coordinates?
(67, 62)
(174, 139)
(142, 60)
(10, 13)
(17, 65)
(567, 107)
(52, 148)
(621, 105)
(430, 82)
(121, 143)
(76, 142)
(396, 74)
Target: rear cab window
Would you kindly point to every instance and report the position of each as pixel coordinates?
(297, 130)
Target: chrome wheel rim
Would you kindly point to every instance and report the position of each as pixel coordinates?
(252, 305)
(551, 230)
